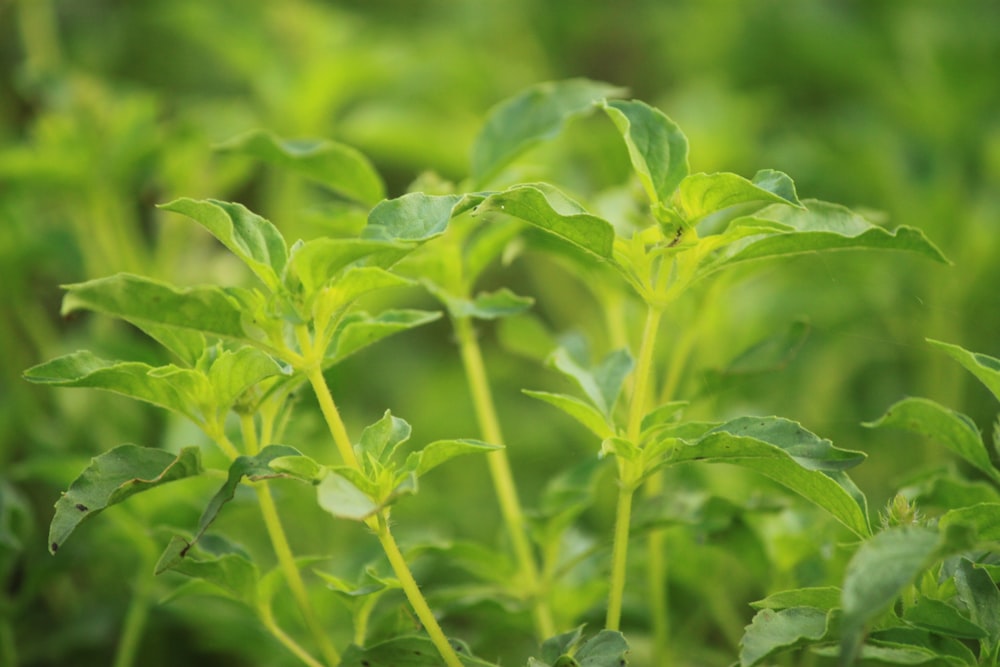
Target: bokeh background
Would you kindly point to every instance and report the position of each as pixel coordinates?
(109, 107)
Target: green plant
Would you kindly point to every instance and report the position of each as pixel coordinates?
(241, 355)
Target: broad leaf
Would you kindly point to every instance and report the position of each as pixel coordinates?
(772, 631)
(342, 498)
(486, 305)
(582, 412)
(602, 384)
(406, 651)
(656, 146)
(553, 212)
(877, 573)
(413, 217)
(788, 454)
(982, 519)
(211, 310)
(232, 575)
(386, 434)
(537, 114)
(359, 330)
(947, 427)
(114, 476)
(820, 597)
(605, 649)
(440, 451)
(187, 345)
(235, 371)
(984, 367)
(982, 598)
(317, 261)
(250, 237)
(353, 284)
(942, 618)
(339, 167)
(701, 195)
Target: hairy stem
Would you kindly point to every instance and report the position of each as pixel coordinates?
(413, 594)
(627, 473)
(286, 559)
(500, 472)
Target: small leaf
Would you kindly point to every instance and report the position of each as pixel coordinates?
(486, 305)
(211, 310)
(537, 114)
(525, 334)
(338, 166)
(341, 498)
(414, 216)
(406, 651)
(665, 414)
(440, 451)
(232, 575)
(656, 146)
(700, 195)
(778, 183)
(250, 237)
(984, 367)
(553, 212)
(602, 384)
(947, 427)
(354, 283)
(877, 573)
(578, 410)
(943, 619)
(605, 649)
(386, 434)
(554, 647)
(359, 330)
(187, 345)
(235, 371)
(772, 631)
(819, 597)
(114, 476)
(299, 467)
(318, 261)
(254, 467)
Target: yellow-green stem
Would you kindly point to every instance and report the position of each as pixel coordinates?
(135, 619)
(500, 472)
(413, 594)
(314, 372)
(293, 647)
(626, 470)
(286, 559)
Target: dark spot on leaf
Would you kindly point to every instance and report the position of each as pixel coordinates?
(365, 663)
(82, 507)
(55, 547)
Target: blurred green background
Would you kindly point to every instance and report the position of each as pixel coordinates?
(109, 107)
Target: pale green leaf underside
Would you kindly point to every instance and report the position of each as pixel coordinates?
(340, 167)
(537, 114)
(984, 367)
(405, 651)
(386, 434)
(440, 451)
(700, 195)
(656, 146)
(414, 216)
(947, 427)
(772, 631)
(318, 261)
(819, 597)
(114, 476)
(359, 330)
(247, 235)
(582, 412)
(485, 305)
(977, 589)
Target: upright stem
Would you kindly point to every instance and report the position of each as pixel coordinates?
(413, 594)
(135, 619)
(627, 471)
(286, 559)
(500, 472)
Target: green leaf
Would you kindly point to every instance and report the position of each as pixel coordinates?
(772, 631)
(525, 334)
(413, 217)
(772, 353)
(876, 575)
(386, 434)
(982, 519)
(235, 371)
(943, 619)
(253, 467)
(187, 345)
(700, 195)
(359, 330)
(550, 210)
(440, 451)
(232, 575)
(250, 237)
(605, 649)
(338, 166)
(893, 654)
(534, 115)
(667, 413)
(343, 499)
(211, 310)
(114, 476)
(406, 651)
(299, 467)
(819, 597)
(656, 146)
(982, 598)
(947, 427)
(353, 284)
(788, 454)
(984, 367)
(602, 384)
(486, 305)
(318, 261)
(578, 410)
(820, 226)
(183, 391)
(555, 647)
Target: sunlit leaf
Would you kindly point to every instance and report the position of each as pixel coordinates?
(359, 330)
(486, 305)
(700, 195)
(656, 146)
(235, 371)
(317, 261)
(434, 454)
(579, 410)
(821, 597)
(537, 114)
(250, 237)
(947, 427)
(342, 498)
(984, 367)
(414, 216)
(601, 384)
(338, 166)
(386, 434)
(114, 476)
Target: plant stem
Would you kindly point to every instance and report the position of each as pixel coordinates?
(135, 618)
(39, 37)
(313, 369)
(268, 620)
(286, 559)
(500, 472)
(8, 647)
(627, 473)
(413, 594)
